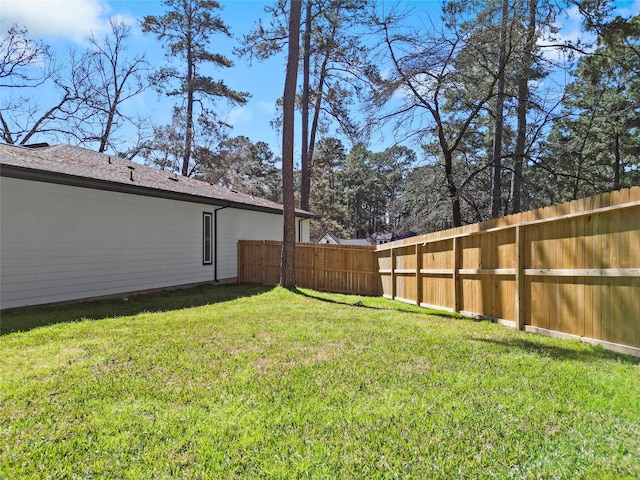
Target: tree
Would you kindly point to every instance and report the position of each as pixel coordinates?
(595, 146)
(473, 91)
(287, 264)
(305, 167)
(331, 47)
(326, 196)
(24, 63)
(186, 31)
(333, 52)
(613, 32)
(525, 74)
(113, 79)
(425, 205)
(438, 85)
(496, 153)
(25, 66)
(362, 193)
(368, 189)
(86, 106)
(165, 148)
(247, 167)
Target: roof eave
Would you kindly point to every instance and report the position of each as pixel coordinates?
(25, 173)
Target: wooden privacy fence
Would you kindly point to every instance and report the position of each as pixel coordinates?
(572, 269)
(331, 268)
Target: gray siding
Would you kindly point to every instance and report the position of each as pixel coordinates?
(61, 243)
(235, 225)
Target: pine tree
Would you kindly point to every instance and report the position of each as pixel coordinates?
(186, 30)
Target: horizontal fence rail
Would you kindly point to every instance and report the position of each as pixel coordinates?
(331, 268)
(571, 269)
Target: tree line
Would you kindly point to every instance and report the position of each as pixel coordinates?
(491, 111)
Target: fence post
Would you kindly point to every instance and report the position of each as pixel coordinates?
(418, 275)
(263, 253)
(520, 286)
(240, 272)
(314, 270)
(393, 274)
(456, 275)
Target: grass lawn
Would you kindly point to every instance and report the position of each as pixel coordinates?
(248, 382)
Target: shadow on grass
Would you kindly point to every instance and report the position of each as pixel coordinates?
(27, 318)
(396, 306)
(538, 347)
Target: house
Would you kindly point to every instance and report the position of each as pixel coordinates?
(379, 238)
(331, 239)
(76, 224)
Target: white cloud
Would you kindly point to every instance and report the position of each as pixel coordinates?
(239, 115)
(570, 27)
(570, 32)
(69, 19)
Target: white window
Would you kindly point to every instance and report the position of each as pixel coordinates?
(207, 238)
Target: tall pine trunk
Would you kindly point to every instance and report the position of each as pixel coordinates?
(305, 182)
(287, 264)
(496, 153)
(523, 100)
(188, 131)
(515, 193)
(188, 136)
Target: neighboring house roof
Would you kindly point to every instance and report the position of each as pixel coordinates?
(333, 239)
(402, 235)
(329, 238)
(384, 237)
(381, 237)
(68, 165)
(355, 241)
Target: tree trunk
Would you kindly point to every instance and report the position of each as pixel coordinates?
(104, 141)
(496, 153)
(316, 111)
(523, 99)
(617, 156)
(287, 264)
(188, 131)
(305, 183)
(515, 194)
(453, 189)
(188, 135)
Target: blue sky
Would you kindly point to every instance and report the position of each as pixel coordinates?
(66, 23)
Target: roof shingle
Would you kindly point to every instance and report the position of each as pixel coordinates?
(76, 162)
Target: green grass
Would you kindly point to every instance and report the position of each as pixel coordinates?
(247, 382)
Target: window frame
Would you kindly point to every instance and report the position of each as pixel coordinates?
(207, 238)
